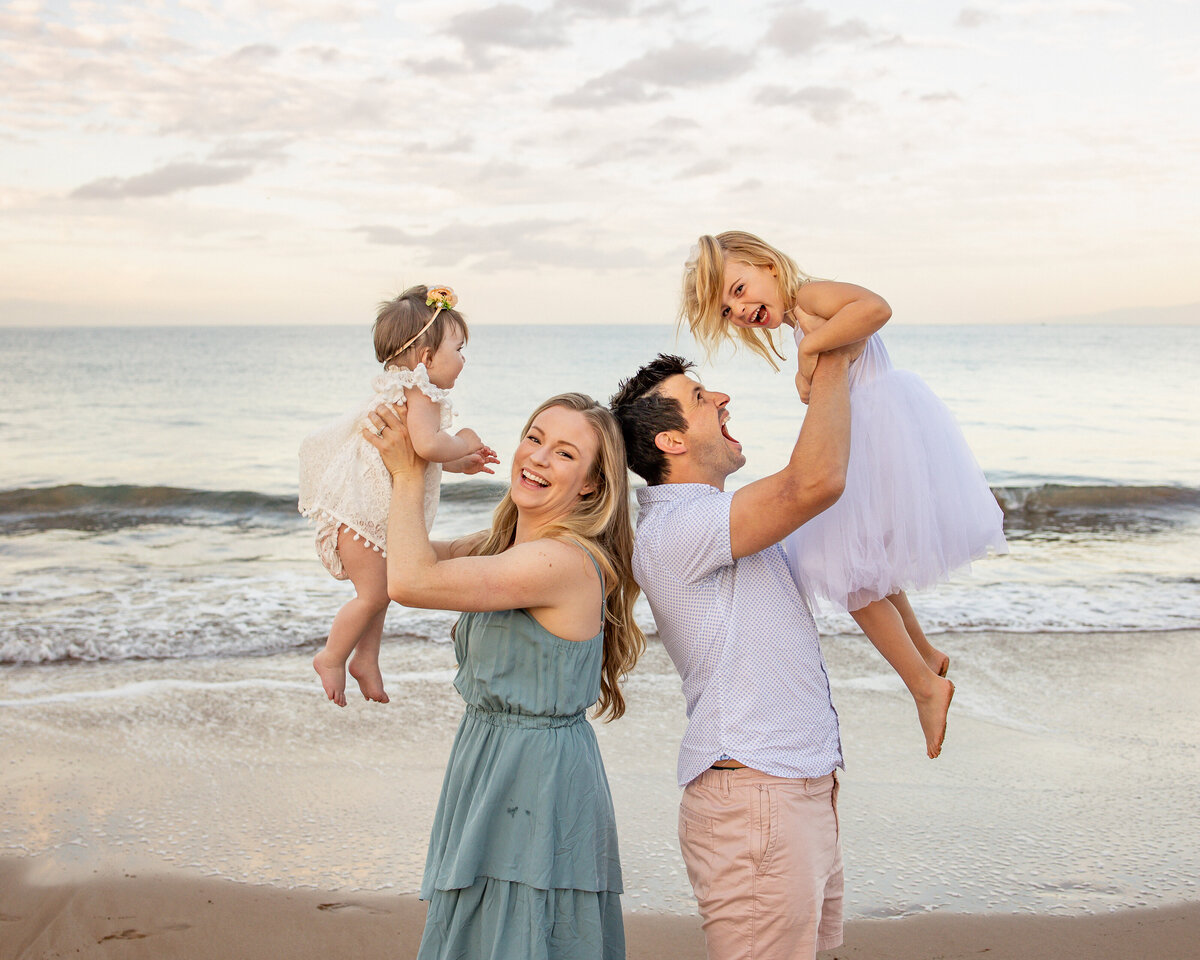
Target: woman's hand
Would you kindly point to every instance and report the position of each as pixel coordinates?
(390, 437)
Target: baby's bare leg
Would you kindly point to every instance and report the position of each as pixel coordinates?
(882, 624)
(938, 662)
(359, 621)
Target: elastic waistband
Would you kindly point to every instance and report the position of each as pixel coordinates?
(500, 718)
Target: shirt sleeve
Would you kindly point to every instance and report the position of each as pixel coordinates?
(693, 538)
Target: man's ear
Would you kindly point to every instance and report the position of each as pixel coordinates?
(670, 442)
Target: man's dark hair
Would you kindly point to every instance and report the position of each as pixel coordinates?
(644, 413)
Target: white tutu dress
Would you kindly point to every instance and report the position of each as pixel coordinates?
(916, 504)
(343, 482)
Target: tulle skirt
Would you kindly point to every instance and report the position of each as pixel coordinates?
(916, 505)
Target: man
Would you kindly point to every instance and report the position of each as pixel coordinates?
(758, 818)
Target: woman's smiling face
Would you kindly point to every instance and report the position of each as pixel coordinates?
(553, 462)
(750, 296)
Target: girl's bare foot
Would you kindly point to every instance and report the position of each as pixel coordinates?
(938, 662)
(370, 680)
(333, 677)
(932, 710)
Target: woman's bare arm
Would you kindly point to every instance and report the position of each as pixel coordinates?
(539, 574)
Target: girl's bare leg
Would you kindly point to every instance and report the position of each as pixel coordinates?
(357, 626)
(938, 662)
(884, 627)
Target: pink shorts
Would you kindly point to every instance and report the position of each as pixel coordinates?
(764, 855)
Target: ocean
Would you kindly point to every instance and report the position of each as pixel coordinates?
(148, 475)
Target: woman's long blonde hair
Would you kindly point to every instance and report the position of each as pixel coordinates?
(600, 523)
(704, 283)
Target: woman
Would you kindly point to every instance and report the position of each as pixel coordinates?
(523, 858)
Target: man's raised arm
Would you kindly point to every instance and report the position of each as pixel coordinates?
(766, 511)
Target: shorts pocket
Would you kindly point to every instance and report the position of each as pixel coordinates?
(696, 845)
(764, 832)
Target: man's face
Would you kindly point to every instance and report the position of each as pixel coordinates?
(710, 448)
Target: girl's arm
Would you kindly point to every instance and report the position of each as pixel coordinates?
(428, 438)
(850, 313)
(546, 574)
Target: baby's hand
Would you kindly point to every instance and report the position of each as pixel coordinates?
(476, 462)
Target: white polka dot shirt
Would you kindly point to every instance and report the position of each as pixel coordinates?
(740, 635)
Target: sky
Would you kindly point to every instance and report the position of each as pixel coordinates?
(264, 161)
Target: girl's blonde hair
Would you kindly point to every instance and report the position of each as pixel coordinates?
(599, 523)
(398, 320)
(704, 284)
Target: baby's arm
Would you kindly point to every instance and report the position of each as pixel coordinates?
(473, 462)
(431, 442)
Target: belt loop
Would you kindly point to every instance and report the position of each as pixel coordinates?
(726, 785)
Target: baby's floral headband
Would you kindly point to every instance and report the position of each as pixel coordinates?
(445, 299)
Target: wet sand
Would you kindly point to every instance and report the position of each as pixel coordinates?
(133, 793)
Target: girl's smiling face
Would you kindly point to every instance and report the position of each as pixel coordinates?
(751, 296)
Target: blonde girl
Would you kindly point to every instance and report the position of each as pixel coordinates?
(916, 504)
(345, 488)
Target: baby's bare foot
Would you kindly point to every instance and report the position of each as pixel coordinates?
(370, 680)
(932, 712)
(333, 677)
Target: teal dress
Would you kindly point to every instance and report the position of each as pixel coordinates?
(523, 859)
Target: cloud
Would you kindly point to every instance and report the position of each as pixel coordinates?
(683, 65)
(504, 25)
(267, 149)
(1102, 8)
(823, 104)
(595, 8)
(169, 179)
(803, 29)
(510, 244)
(702, 169)
(436, 67)
(677, 123)
(254, 53)
(460, 144)
(971, 17)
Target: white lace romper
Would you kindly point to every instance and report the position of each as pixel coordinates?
(343, 482)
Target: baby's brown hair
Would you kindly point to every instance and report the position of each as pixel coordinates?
(398, 324)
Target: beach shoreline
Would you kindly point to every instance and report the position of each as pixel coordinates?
(133, 916)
